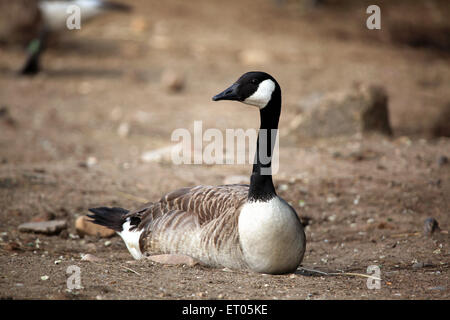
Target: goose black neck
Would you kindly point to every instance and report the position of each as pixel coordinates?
(261, 184)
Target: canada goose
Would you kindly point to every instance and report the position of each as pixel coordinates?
(54, 15)
(235, 226)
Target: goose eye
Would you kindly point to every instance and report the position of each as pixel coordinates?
(254, 81)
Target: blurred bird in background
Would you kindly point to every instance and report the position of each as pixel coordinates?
(33, 21)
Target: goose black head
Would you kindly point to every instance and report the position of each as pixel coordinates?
(254, 88)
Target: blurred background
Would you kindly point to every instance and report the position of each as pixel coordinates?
(364, 111)
(166, 58)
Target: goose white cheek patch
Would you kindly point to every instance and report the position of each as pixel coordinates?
(262, 96)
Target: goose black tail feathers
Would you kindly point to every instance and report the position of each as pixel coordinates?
(112, 218)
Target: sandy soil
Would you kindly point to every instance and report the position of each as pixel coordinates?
(366, 199)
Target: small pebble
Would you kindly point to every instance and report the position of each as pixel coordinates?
(442, 161)
(12, 246)
(123, 130)
(430, 226)
(331, 199)
(91, 258)
(160, 154)
(440, 288)
(172, 81)
(91, 161)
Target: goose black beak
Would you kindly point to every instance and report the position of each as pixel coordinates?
(229, 94)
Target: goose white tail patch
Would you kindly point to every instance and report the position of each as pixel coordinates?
(131, 239)
(262, 95)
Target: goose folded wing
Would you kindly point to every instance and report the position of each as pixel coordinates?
(201, 204)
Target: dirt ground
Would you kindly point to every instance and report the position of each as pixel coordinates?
(365, 198)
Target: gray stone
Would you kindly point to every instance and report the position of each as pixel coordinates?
(439, 288)
(430, 226)
(44, 227)
(363, 109)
